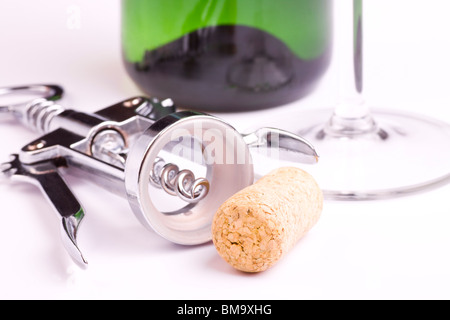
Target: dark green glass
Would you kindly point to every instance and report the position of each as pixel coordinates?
(227, 55)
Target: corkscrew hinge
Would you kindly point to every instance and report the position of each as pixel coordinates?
(135, 149)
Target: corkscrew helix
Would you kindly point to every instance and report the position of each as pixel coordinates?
(131, 148)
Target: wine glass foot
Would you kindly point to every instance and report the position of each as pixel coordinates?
(399, 154)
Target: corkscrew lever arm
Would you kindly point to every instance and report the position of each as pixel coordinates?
(45, 175)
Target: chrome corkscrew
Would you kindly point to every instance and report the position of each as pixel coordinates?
(135, 149)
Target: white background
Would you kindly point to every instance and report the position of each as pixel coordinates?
(394, 249)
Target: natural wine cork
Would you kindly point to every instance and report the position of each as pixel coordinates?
(258, 225)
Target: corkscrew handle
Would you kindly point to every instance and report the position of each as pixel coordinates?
(48, 92)
(45, 175)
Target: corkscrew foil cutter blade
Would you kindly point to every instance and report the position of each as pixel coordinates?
(120, 149)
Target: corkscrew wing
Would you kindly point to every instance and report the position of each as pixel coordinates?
(45, 175)
(293, 147)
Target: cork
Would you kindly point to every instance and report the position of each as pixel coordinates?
(258, 225)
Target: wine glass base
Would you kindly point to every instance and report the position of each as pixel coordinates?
(401, 155)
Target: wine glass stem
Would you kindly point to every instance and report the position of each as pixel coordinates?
(351, 115)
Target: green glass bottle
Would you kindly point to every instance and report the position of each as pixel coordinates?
(227, 55)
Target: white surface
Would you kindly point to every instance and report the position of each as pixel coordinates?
(385, 249)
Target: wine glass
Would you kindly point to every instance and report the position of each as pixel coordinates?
(368, 154)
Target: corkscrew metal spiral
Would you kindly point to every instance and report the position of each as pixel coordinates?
(178, 183)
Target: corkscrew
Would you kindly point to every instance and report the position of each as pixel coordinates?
(135, 148)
